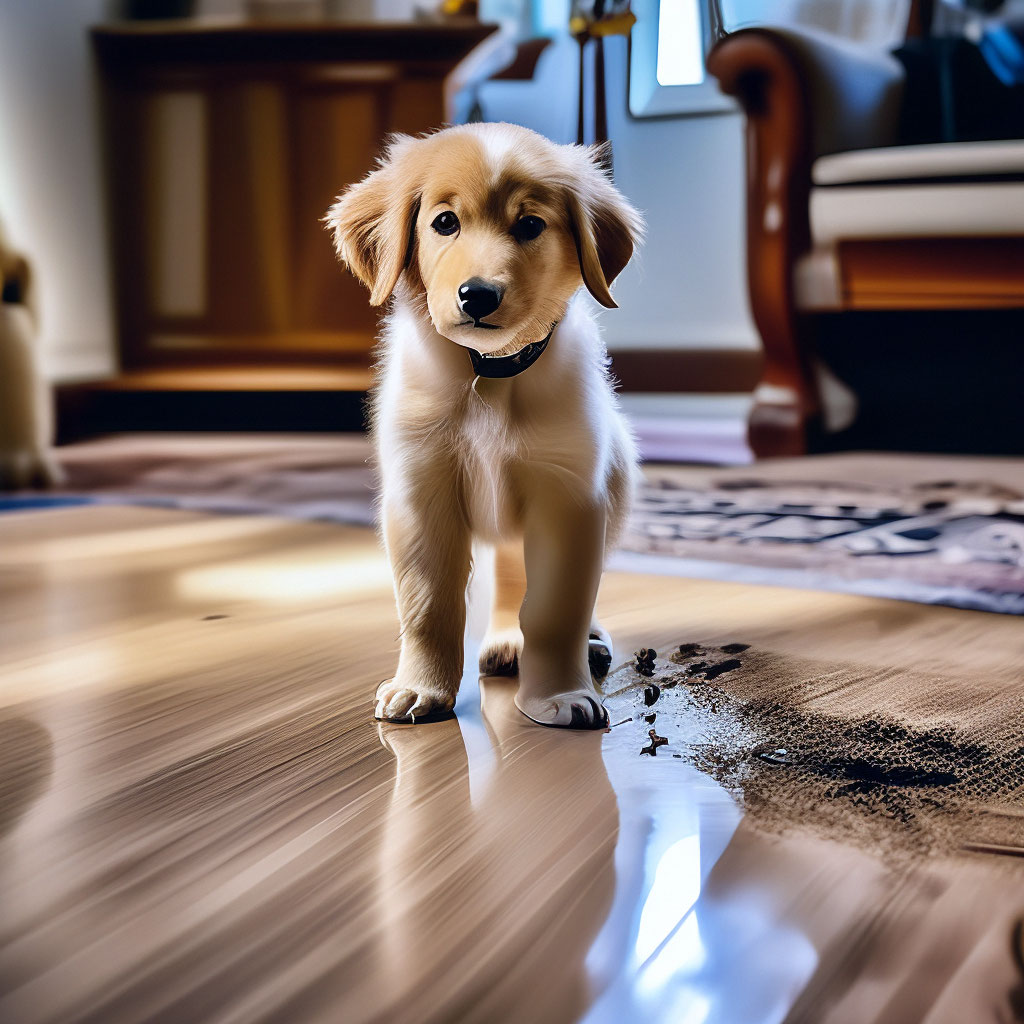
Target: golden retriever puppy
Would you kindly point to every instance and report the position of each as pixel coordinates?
(493, 416)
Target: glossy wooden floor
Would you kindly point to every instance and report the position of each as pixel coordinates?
(200, 820)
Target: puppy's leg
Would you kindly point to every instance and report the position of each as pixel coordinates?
(600, 649)
(428, 546)
(622, 482)
(564, 547)
(499, 655)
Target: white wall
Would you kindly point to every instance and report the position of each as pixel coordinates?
(687, 287)
(50, 179)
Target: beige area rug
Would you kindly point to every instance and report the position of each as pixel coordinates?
(805, 745)
(938, 530)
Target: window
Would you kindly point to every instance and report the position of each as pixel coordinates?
(680, 44)
(666, 67)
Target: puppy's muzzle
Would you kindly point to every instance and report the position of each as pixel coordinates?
(479, 298)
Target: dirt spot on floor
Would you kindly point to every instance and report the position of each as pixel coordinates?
(898, 763)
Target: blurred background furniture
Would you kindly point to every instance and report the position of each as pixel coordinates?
(841, 217)
(225, 143)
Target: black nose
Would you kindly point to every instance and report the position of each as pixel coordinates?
(477, 297)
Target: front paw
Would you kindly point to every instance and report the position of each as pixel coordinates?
(398, 703)
(577, 709)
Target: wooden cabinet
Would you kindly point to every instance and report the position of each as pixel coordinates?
(225, 145)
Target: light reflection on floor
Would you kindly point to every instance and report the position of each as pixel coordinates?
(665, 953)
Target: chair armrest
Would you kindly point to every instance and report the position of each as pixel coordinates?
(849, 95)
(804, 96)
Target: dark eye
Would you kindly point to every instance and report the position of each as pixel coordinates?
(446, 223)
(527, 228)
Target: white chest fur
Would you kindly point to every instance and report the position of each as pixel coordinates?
(496, 441)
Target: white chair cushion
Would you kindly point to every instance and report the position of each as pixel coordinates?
(889, 193)
(943, 160)
(917, 211)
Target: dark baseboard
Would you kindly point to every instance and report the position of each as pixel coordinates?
(686, 371)
(103, 407)
(87, 412)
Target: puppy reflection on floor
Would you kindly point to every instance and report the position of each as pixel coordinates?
(488, 908)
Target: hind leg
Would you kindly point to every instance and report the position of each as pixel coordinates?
(621, 484)
(503, 644)
(600, 651)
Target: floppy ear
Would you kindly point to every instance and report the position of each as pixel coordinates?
(604, 225)
(374, 223)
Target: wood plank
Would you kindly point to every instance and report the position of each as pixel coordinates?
(199, 819)
(953, 273)
(287, 377)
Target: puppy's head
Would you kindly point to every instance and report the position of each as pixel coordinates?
(495, 226)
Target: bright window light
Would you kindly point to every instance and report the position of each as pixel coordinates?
(680, 43)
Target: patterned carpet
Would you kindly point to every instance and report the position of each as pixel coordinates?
(940, 530)
(957, 541)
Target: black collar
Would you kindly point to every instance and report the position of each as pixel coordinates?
(509, 366)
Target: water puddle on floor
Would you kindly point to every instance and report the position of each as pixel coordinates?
(653, 944)
(669, 950)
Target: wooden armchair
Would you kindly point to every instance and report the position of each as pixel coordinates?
(840, 217)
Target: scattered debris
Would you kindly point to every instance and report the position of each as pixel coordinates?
(685, 651)
(645, 661)
(721, 668)
(734, 648)
(651, 693)
(210, 618)
(778, 756)
(649, 719)
(866, 774)
(656, 741)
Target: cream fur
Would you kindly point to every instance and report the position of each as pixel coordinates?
(26, 416)
(541, 464)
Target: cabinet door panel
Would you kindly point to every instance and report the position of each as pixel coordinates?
(249, 208)
(175, 187)
(337, 137)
